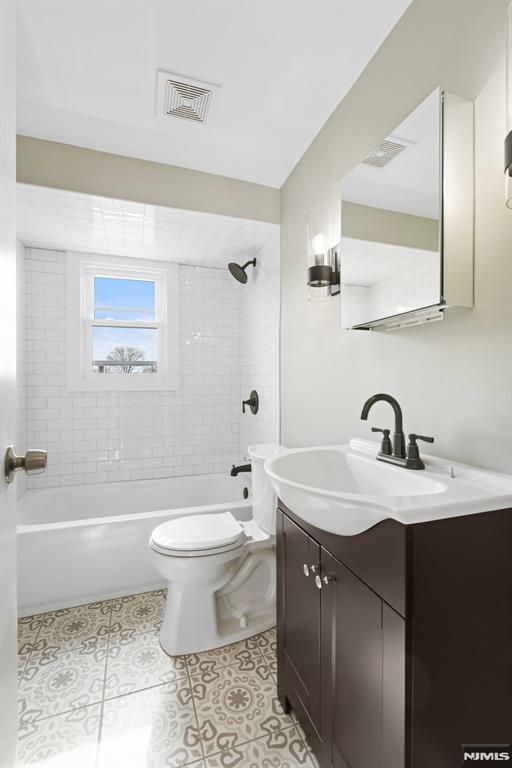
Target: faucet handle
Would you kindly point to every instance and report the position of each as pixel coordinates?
(413, 437)
(414, 460)
(385, 446)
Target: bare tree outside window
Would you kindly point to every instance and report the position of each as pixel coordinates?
(125, 354)
(125, 360)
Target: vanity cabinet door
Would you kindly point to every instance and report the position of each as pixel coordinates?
(358, 668)
(298, 610)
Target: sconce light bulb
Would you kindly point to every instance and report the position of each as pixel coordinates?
(319, 245)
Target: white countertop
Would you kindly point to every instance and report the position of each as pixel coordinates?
(344, 488)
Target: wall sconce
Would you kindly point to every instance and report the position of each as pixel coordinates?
(508, 139)
(323, 259)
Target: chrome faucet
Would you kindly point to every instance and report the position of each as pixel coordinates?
(394, 451)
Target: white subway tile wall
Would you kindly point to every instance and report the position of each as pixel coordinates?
(112, 436)
(62, 220)
(259, 346)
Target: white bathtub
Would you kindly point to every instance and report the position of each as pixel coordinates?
(85, 543)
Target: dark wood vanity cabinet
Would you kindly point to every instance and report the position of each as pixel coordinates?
(395, 646)
(301, 632)
(357, 675)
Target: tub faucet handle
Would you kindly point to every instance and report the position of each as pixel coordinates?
(34, 462)
(252, 402)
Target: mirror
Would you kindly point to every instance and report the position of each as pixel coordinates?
(390, 252)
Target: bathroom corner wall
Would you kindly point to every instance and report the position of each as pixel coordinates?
(101, 437)
(452, 378)
(259, 347)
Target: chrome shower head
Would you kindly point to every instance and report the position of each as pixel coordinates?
(239, 272)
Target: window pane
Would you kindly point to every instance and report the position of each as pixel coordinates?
(120, 292)
(124, 314)
(121, 351)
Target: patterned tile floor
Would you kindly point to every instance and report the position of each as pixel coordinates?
(97, 691)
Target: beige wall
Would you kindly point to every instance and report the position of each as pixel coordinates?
(378, 225)
(452, 378)
(50, 164)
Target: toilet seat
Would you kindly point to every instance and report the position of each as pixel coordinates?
(198, 535)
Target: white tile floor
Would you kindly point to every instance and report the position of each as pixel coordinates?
(97, 691)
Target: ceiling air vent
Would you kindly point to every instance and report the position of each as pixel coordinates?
(184, 98)
(187, 101)
(384, 153)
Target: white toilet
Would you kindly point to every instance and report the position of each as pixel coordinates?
(220, 571)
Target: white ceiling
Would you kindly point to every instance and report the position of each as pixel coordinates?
(87, 75)
(60, 220)
(410, 182)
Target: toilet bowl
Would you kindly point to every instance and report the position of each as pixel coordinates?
(220, 571)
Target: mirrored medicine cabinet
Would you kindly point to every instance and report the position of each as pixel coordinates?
(406, 251)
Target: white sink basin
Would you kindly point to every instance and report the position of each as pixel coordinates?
(347, 472)
(345, 490)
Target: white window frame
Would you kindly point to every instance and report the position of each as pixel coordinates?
(81, 270)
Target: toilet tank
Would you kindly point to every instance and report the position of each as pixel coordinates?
(263, 497)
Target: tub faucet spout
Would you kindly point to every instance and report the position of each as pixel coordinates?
(241, 468)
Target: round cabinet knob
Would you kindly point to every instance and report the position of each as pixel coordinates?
(320, 582)
(309, 569)
(305, 568)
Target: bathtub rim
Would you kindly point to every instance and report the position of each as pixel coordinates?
(171, 512)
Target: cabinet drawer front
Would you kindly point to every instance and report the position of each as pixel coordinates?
(377, 556)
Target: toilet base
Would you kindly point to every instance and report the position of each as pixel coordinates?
(238, 603)
(229, 631)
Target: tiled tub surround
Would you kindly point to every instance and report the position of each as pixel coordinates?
(78, 544)
(119, 436)
(94, 438)
(97, 691)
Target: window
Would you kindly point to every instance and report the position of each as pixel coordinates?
(122, 324)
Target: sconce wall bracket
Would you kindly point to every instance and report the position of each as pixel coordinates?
(325, 276)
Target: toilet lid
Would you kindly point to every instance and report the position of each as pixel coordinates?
(198, 532)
